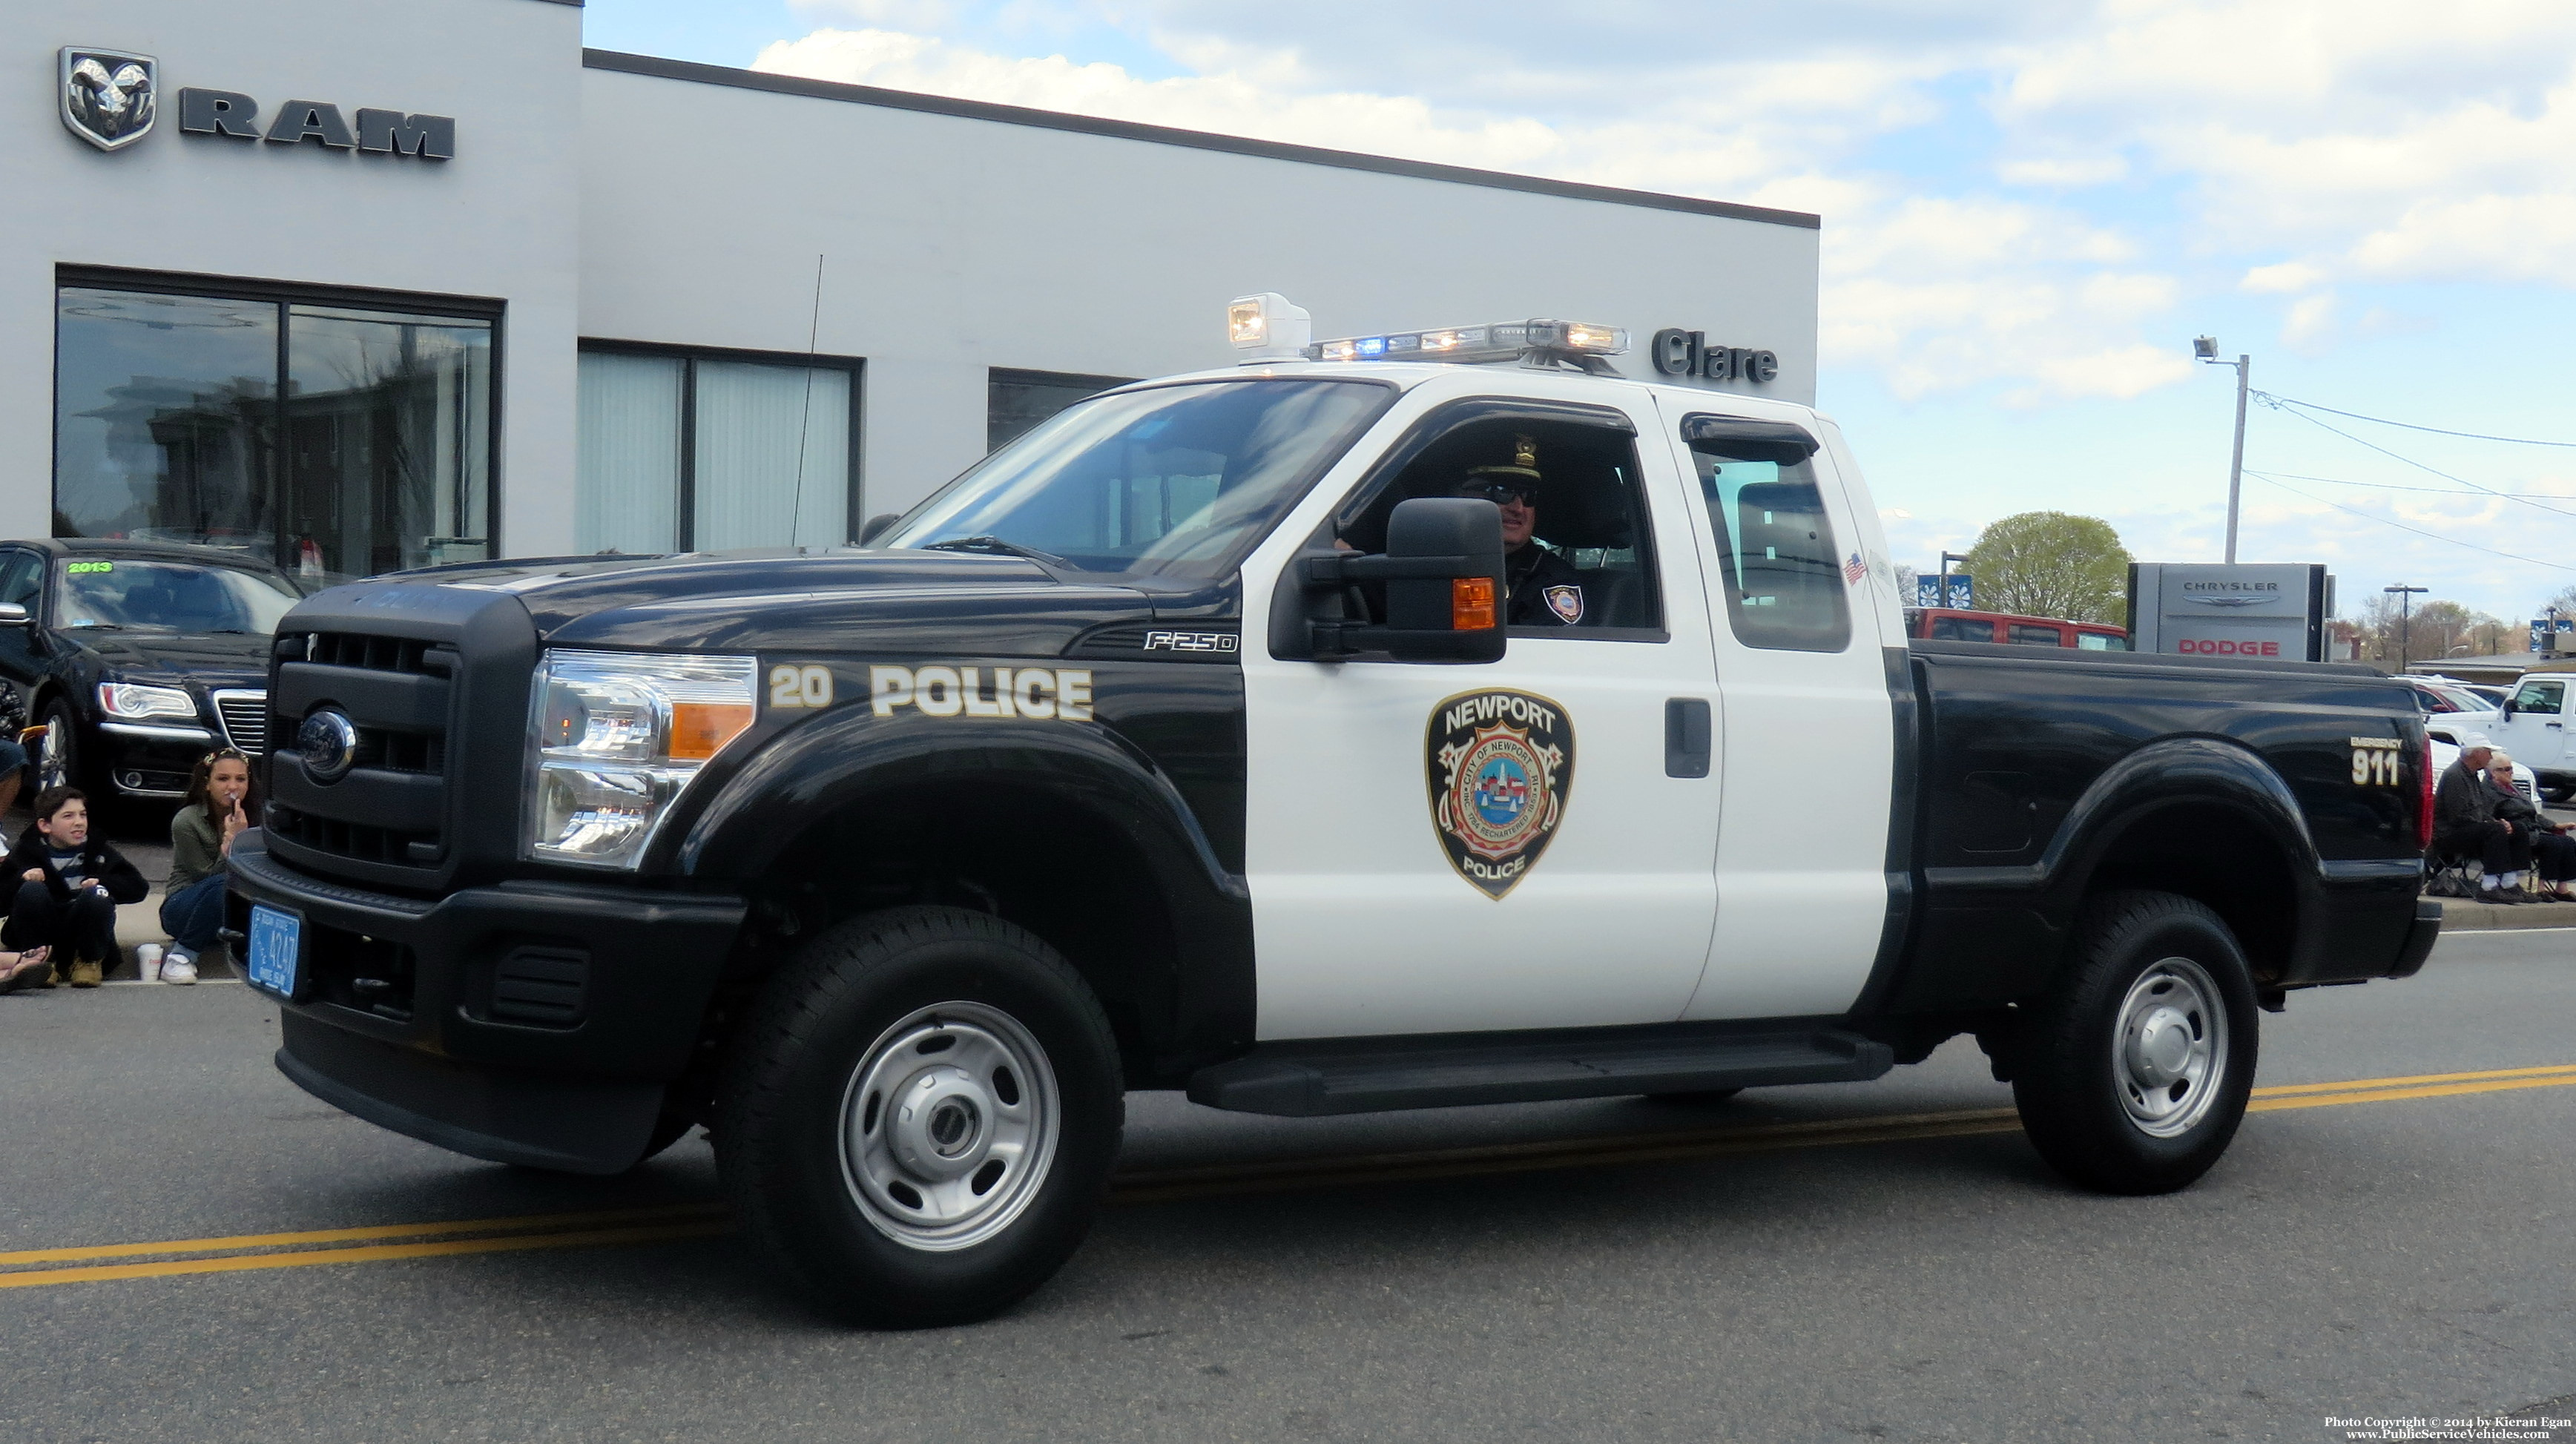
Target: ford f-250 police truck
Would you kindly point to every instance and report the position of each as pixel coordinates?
(1348, 730)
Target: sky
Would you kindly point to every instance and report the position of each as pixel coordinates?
(2030, 209)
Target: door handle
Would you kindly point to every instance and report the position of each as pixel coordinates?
(1686, 737)
(2560, 726)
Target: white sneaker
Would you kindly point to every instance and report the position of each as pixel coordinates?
(178, 967)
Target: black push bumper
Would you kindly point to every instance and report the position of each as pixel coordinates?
(526, 1022)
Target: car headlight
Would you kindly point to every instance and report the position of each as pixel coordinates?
(615, 737)
(135, 701)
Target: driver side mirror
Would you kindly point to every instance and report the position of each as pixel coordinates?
(12, 615)
(1443, 574)
(2508, 707)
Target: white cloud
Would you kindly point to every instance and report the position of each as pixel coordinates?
(2310, 327)
(2065, 171)
(2287, 277)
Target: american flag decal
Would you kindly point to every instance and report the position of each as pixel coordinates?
(1855, 569)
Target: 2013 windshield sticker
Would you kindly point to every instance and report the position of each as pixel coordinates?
(1060, 694)
(1501, 769)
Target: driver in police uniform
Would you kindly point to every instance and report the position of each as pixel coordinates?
(1544, 589)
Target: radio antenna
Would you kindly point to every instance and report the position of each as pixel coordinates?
(805, 420)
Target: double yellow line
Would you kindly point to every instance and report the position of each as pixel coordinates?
(37, 1268)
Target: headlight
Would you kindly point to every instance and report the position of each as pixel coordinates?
(134, 700)
(615, 737)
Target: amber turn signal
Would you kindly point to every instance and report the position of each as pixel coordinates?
(699, 730)
(1471, 603)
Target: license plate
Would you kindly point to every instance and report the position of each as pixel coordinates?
(276, 950)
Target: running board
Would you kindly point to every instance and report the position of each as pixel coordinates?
(1375, 1075)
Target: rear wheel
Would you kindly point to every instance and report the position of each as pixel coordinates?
(2133, 1077)
(919, 1119)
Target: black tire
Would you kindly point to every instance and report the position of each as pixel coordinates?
(2125, 1117)
(58, 754)
(833, 1034)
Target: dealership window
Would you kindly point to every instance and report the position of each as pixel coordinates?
(682, 451)
(1016, 401)
(334, 437)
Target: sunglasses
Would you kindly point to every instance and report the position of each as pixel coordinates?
(1499, 492)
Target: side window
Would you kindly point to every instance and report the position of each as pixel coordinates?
(1962, 629)
(2100, 642)
(1785, 589)
(1578, 548)
(22, 575)
(2031, 636)
(2540, 697)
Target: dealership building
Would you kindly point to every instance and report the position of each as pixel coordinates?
(375, 285)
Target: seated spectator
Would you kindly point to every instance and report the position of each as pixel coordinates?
(13, 763)
(201, 837)
(2465, 823)
(24, 970)
(2553, 852)
(69, 884)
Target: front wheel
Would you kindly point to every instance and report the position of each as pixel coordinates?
(2134, 1075)
(919, 1119)
(58, 762)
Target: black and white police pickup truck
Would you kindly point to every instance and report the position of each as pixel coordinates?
(1322, 735)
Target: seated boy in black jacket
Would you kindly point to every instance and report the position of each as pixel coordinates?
(68, 887)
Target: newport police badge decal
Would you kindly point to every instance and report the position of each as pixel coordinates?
(1501, 767)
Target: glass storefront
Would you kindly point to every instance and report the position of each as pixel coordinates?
(335, 440)
(705, 452)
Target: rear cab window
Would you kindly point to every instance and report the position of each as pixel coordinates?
(1780, 561)
(2038, 636)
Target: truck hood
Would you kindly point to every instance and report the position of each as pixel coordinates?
(791, 602)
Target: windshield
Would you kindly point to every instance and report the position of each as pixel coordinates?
(169, 596)
(1173, 481)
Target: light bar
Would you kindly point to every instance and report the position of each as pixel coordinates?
(1498, 341)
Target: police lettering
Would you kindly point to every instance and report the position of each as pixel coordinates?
(1060, 694)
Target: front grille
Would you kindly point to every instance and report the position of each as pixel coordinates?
(362, 841)
(245, 719)
(373, 654)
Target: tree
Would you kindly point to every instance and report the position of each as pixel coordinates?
(2050, 564)
(2430, 630)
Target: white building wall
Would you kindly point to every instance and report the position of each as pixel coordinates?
(956, 244)
(500, 220)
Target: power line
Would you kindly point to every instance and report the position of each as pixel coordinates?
(2278, 401)
(2275, 403)
(2269, 480)
(2426, 490)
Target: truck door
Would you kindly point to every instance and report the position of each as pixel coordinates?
(1810, 734)
(1521, 844)
(2535, 732)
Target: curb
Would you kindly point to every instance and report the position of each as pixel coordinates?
(2471, 917)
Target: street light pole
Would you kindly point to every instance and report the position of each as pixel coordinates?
(2405, 621)
(2205, 348)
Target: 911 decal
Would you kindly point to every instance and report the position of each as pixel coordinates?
(1060, 694)
(2374, 761)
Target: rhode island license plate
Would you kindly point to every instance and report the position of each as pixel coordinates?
(276, 950)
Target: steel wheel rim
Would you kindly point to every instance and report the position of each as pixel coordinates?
(2171, 1047)
(948, 1126)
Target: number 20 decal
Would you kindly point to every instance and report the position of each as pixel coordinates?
(791, 686)
(2374, 761)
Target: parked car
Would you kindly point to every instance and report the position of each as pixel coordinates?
(137, 656)
(2453, 712)
(1951, 624)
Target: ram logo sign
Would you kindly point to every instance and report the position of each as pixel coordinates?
(109, 97)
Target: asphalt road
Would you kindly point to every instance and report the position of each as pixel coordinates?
(1799, 1265)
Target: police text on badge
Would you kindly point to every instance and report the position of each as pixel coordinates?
(1061, 694)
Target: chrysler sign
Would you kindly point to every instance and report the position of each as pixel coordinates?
(111, 97)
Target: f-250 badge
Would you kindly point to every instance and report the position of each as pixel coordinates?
(1501, 767)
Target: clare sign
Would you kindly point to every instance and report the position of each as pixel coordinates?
(2259, 611)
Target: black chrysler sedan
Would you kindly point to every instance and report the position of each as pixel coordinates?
(137, 656)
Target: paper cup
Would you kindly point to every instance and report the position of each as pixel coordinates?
(148, 959)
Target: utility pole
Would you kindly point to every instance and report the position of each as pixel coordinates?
(2205, 348)
(2405, 621)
